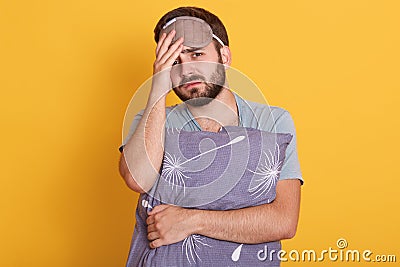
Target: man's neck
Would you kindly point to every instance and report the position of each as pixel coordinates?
(222, 111)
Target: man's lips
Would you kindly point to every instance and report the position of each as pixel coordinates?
(191, 84)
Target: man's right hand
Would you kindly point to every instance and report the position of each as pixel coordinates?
(166, 54)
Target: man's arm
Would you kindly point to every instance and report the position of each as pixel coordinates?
(142, 155)
(268, 222)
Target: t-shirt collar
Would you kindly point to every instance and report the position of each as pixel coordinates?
(239, 105)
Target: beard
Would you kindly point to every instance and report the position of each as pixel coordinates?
(195, 96)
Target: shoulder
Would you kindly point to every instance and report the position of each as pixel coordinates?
(174, 108)
(259, 108)
(266, 117)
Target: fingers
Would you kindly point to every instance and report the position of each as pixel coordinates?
(160, 42)
(153, 232)
(172, 53)
(164, 44)
(151, 228)
(167, 61)
(154, 213)
(153, 235)
(157, 209)
(156, 243)
(150, 220)
(167, 53)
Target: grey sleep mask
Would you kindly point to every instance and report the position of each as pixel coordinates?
(195, 32)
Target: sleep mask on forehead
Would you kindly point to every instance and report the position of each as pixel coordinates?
(195, 32)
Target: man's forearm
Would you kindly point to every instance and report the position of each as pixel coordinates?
(143, 152)
(169, 224)
(248, 225)
(264, 223)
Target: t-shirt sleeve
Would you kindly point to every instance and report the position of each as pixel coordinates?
(291, 165)
(132, 129)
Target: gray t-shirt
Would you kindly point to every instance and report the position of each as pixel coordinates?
(253, 115)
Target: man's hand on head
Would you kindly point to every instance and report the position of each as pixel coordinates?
(166, 54)
(169, 224)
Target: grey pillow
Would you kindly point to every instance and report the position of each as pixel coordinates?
(235, 168)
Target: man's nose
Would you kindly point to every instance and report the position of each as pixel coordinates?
(187, 68)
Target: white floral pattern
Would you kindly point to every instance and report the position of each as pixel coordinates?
(267, 173)
(190, 246)
(174, 171)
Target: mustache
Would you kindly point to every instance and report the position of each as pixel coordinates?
(194, 77)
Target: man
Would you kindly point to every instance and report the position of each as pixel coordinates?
(209, 106)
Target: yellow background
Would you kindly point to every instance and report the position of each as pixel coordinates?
(69, 69)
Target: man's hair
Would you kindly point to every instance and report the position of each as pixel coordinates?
(217, 26)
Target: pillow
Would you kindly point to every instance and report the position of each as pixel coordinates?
(235, 168)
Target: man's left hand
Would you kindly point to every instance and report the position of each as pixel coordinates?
(169, 224)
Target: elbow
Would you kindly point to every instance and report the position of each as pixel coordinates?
(131, 183)
(289, 230)
(140, 179)
(289, 234)
(128, 178)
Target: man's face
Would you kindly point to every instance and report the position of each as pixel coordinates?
(198, 75)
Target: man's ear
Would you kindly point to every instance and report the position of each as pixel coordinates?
(226, 55)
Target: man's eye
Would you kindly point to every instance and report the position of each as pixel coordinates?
(175, 62)
(197, 54)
